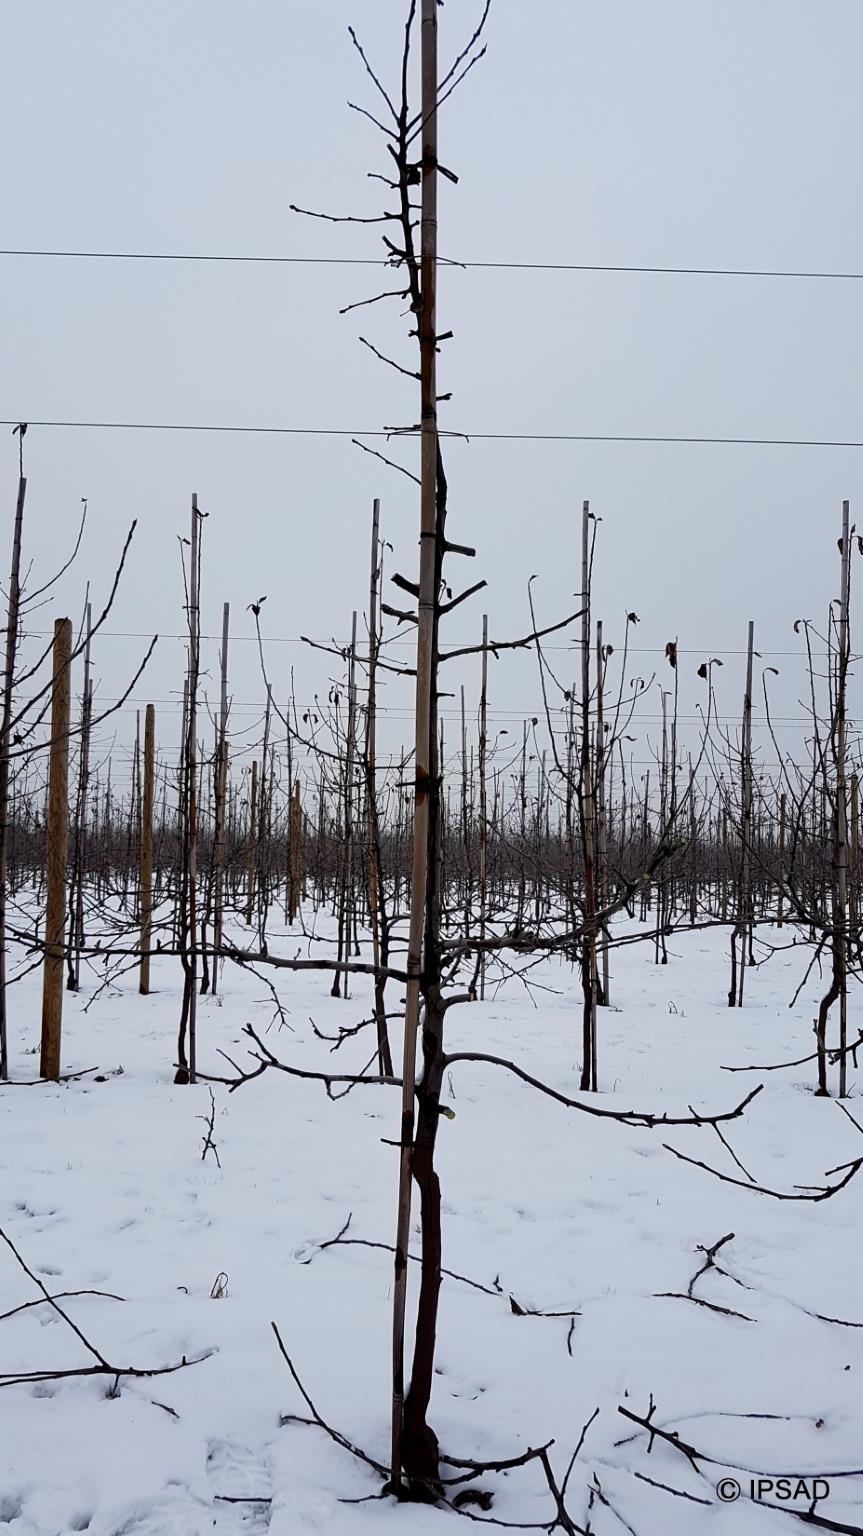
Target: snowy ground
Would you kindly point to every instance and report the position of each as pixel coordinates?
(104, 1187)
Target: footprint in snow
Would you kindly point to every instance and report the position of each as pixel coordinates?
(235, 1471)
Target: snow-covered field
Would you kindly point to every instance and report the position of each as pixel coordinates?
(104, 1188)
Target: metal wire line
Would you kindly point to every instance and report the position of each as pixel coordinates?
(634, 650)
(411, 432)
(385, 262)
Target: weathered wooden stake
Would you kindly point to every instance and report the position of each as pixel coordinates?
(221, 788)
(840, 917)
(251, 854)
(5, 734)
(483, 805)
(147, 847)
(192, 782)
(57, 844)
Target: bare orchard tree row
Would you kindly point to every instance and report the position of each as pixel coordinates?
(547, 836)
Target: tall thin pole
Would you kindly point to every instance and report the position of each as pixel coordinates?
(57, 845)
(349, 796)
(601, 817)
(221, 788)
(5, 734)
(780, 907)
(840, 922)
(192, 771)
(264, 794)
(746, 792)
(76, 895)
(251, 852)
(854, 859)
(372, 827)
(588, 1065)
(427, 325)
(483, 807)
(147, 847)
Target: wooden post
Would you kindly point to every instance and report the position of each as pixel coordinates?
(57, 843)
(372, 823)
(780, 905)
(349, 798)
(221, 789)
(264, 793)
(252, 848)
(76, 917)
(588, 817)
(854, 867)
(840, 919)
(147, 847)
(296, 870)
(601, 814)
(483, 806)
(724, 861)
(744, 905)
(693, 849)
(192, 782)
(5, 733)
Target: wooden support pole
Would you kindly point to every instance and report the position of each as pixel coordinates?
(5, 734)
(601, 811)
(854, 867)
(57, 843)
(588, 830)
(76, 895)
(192, 782)
(780, 905)
(147, 847)
(221, 790)
(483, 804)
(349, 794)
(296, 871)
(840, 913)
(251, 853)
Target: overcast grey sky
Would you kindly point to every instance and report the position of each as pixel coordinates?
(677, 133)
